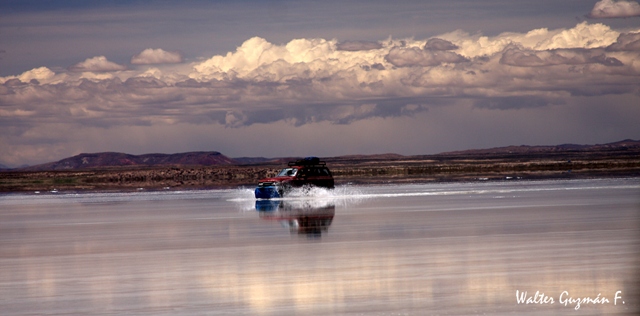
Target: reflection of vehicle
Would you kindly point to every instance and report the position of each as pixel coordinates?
(301, 218)
(300, 173)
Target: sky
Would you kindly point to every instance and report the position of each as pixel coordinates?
(314, 78)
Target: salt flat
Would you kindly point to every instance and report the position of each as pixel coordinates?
(444, 248)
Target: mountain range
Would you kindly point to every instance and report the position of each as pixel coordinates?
(211, 158)
(114, 159)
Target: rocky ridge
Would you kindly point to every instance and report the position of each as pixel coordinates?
(114, 159)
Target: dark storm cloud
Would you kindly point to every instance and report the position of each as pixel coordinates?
(144, 82)
(626, 42)
(514, 103)
(515, 56)
(341, 112)
(413, 56)
(376, 66)
(598, 89)
(439, 44)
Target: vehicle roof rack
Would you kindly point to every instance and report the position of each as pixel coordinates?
(308, 161)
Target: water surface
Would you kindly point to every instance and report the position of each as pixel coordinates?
(446, 248)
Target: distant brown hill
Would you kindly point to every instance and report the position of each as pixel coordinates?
(213, 158)
(118, 171)
(113, 159)
(627, 144)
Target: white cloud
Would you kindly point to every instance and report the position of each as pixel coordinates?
(97, 64)
(319, 80)
(257, 52)
(156, 56)
(40, 74)
(583, 35)
(615, 9)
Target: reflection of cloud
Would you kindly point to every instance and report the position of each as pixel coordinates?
(615, 9)
(98, 63)
(156, 56)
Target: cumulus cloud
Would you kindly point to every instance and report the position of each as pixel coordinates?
(97, 64)
(614, 9)
(258, 56)
(151, 56)
(322, 80)
(583, 35)
(40, 74)
(35, 75)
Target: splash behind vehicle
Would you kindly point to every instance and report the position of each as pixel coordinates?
(302, 173)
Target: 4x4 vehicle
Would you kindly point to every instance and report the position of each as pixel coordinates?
(305, 172)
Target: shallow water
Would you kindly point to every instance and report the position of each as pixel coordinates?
(446, 248)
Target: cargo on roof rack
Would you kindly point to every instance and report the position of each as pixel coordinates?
(309, 161)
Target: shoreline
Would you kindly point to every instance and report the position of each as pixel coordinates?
(352, 171)
(67, 191)
(620, 159)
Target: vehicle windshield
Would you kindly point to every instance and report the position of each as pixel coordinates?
(288, 172)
